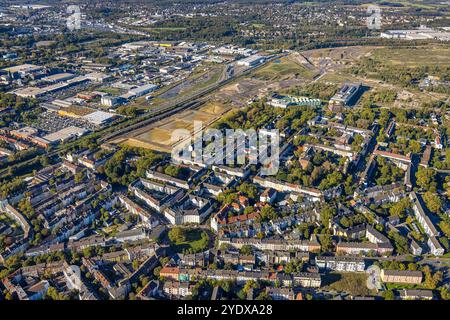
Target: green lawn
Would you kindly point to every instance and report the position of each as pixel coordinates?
(338, 77)
(414, 57)
(281, 68)
(194, 240)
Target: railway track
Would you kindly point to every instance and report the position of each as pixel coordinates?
(184, 104)
(162, 112)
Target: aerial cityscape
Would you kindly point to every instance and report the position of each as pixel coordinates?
(232, 150)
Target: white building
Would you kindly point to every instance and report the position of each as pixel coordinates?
(110, 101)
(143, 90)
(435, 247)
(99, 117)
(251, 61)
(422, 217)
(341, 263)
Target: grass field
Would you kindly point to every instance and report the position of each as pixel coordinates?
(196, 240)
(353, 283)
(414, 57)
(409, 4)
(282, 68)
(338, 78)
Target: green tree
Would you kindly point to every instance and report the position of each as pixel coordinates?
(432, 201)
(400, 242)
(445, 227)
(445, 293)
(156, 271)
(431, 280)
(426, 178)
(264, 296)
(326, 214)
(412, 266)
(250, 284)
(399, 208)
(249, 190)
(326, 242)
(246, 250)
(268, 213)
(178, 234)
(389, 295)
(172, 171)
(135, 264)
(227, 197)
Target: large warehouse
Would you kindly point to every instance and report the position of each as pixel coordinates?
(99, 117)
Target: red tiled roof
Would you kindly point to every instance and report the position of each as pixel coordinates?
(170, 270)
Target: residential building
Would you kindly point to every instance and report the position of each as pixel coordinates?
(422, 217)
(401, 276)
(341, 263)
(435, 247)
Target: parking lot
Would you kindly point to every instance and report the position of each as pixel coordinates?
(52, 122)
